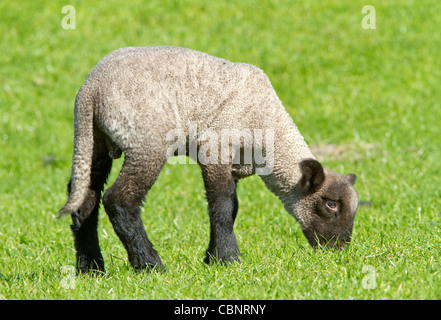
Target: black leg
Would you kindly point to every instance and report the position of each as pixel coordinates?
(88, 253)
(122, 203)
(85, 220)
(222, 207)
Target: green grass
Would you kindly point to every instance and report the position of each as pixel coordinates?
(376, 91)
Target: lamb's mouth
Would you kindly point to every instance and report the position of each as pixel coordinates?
(322, 242)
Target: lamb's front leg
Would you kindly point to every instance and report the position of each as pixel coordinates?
(222, 207)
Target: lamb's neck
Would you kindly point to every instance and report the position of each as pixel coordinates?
(289, 150)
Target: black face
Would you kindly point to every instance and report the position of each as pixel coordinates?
(331, 205)
(331, 223)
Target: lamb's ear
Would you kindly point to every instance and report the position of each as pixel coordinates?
(313, 176)
(351, 178)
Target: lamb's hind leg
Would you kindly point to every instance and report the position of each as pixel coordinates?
(122, 202)
(85, 220)
(222, 206)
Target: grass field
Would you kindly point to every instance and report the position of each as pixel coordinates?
(367, 100)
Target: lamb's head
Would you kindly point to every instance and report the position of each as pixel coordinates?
(326, 205)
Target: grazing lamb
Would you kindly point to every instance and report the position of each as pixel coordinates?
(130, 103)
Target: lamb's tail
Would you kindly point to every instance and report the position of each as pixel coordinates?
(82, 156)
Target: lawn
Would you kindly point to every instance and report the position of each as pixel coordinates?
(368, 101)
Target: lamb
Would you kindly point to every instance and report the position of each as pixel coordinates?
(136, 96)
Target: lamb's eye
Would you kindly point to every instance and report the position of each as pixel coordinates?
(332, 205)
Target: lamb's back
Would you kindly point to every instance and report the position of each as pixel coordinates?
(179, 86)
